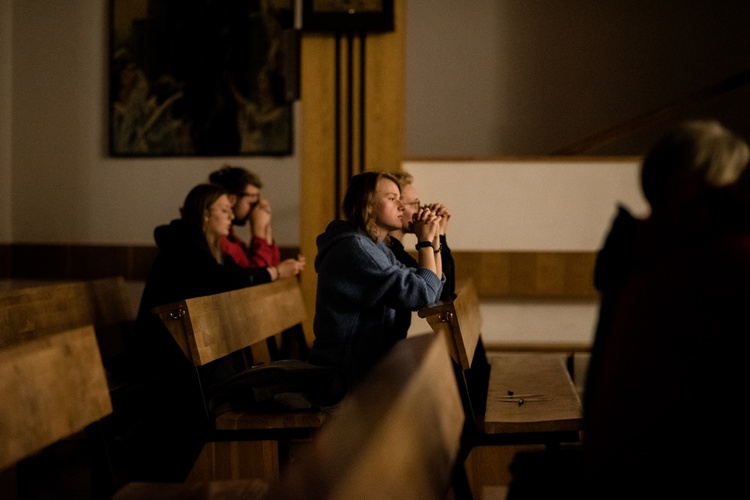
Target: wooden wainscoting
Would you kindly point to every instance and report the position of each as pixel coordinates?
(529, 275)
(497, 275)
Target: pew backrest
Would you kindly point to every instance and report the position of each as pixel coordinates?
(211, 327)
(51, 386)
(37, 310)
(459, 321)
(395, 436)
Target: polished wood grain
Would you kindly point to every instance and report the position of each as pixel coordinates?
(529, 275)
(459, 321)
(531, 392)
(237, 420)
(32, 311)
(550, 413)
(249, 489)
(558, 409)
(235, 460)
(210, 327)
(396, 436)
(51, 386)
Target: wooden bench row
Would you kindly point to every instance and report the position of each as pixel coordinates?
(211, 327)
(506, 399)
(509, 398)
(38, 313)
(54, 385)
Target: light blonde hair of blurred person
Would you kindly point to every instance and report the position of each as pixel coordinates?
(694, 157)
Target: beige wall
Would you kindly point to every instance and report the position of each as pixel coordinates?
(530, 205)
(58, 186)
(513, 77)
(548, 204)
(64, 189)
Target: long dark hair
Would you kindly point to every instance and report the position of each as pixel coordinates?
(197, 202)
(359, 198)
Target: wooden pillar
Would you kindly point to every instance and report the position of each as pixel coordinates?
(352, 119)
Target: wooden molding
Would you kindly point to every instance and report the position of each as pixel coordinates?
(554, 275)
(496, 274)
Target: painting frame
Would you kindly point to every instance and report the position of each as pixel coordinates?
(361, 16)
(202, 78)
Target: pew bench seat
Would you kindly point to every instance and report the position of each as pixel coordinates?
(211, 327)
(518, 399)
(530, 393)
(397, 435)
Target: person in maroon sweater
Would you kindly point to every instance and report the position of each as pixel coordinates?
(249, 206)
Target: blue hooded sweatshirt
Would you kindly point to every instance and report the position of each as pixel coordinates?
(361, 285)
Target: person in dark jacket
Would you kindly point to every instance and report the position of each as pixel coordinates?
(691, 171)
(395, 242)
(673, 317)
(361, 285)
(673, 330)
(189, 264)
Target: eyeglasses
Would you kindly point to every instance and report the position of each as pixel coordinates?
(415, 203)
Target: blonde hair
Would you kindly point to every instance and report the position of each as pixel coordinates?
(694, 154)
(359, 198)
(404, 178)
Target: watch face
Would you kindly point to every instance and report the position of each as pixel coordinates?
(349, 6)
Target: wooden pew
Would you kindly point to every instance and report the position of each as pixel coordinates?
(51, 386)
(103, 303)
(242, 444)
(54, 386)
(396, 436)
(509, 398)
(36, 311)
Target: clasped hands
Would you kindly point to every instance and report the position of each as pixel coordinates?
(429, 222)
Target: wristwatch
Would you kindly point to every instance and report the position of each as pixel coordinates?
(423, 244)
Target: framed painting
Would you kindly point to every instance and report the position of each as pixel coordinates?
(202, 77)
(347, 15)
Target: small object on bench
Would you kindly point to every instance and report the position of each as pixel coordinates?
(397, 435)
(211, 327)
(487, 381)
